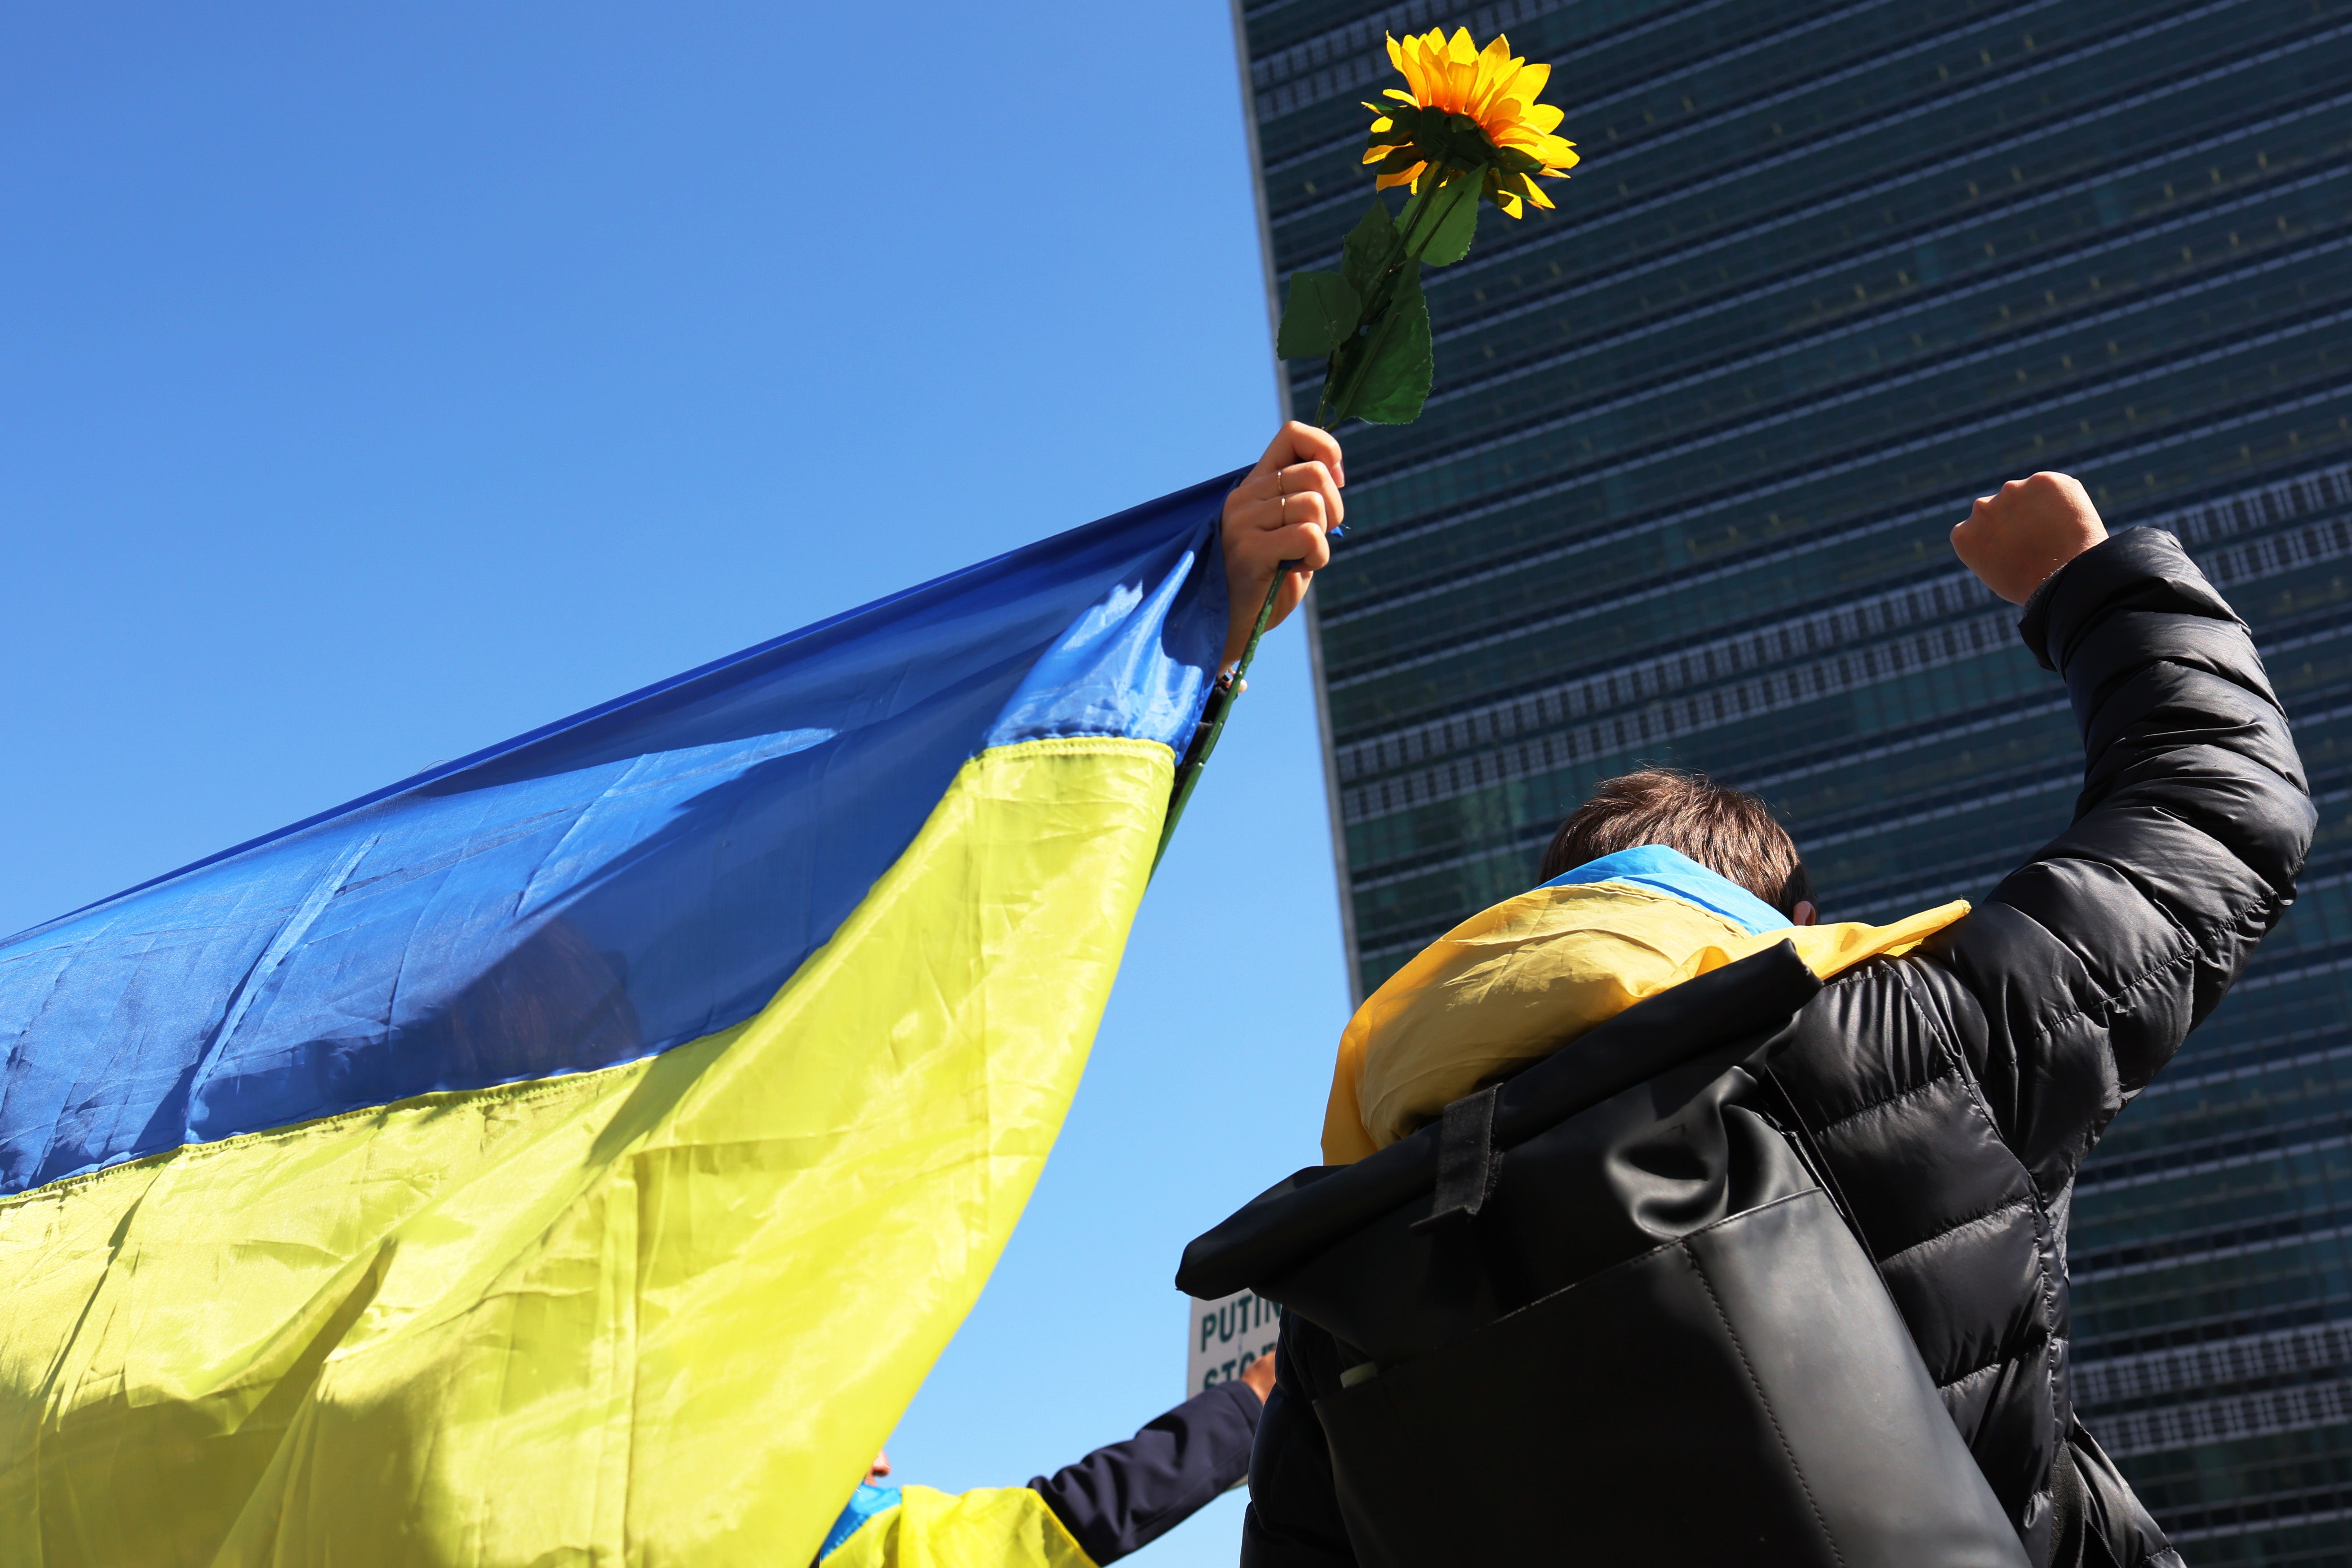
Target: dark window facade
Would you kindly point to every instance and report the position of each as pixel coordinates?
(1829, 271)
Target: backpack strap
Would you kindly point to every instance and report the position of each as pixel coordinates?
(1467, 1162)
(1816, 1161)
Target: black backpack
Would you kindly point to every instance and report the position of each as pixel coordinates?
(1611, 1311)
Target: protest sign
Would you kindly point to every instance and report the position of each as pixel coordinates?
(1225, 1336)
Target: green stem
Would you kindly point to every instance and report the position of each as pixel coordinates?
(1212, 718)
(1356, 374)
(1415, 241)
(1219, 706)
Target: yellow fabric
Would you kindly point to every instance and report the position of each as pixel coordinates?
(1000, 1527)
(1515, 981)
(659, 1314)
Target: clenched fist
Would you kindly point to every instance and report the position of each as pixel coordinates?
(2014, 540)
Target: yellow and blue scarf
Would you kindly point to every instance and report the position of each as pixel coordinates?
(1516, 982)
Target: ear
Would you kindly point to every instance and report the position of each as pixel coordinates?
(1806, 914)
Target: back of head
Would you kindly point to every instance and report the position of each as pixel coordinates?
(1729, 831)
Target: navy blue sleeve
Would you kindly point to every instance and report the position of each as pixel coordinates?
(1123, 1497)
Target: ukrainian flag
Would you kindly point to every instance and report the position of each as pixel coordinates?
(579, 1152)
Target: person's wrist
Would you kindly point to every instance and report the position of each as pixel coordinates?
(2088, 539)
(2034, 621)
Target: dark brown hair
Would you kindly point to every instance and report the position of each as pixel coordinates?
(1729, 831)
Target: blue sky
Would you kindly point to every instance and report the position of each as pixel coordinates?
(379, 382)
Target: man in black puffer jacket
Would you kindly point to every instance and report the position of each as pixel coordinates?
(1955, 1089)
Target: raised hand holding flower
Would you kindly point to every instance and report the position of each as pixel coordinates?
(1275, 532)
(1470, 129)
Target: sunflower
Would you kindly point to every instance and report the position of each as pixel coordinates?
(1469, 109)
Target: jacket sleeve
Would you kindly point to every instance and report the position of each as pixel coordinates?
(1293, 1518)
(2086, 967)
(2114, 1517)
(1123, 1497)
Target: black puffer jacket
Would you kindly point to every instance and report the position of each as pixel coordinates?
(1954, 1093)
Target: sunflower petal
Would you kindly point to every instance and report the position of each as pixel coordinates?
(1494, 73)
(1541, 117)
(1544, 149)
(1461, 83)
(1415, 66)
(1406, 58)
(1436, 80)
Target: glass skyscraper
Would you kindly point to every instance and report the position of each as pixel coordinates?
(1829, 271)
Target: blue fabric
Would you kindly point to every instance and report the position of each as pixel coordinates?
(1112, 672)
(597, 890)
(1664, 870)
(864, 1504)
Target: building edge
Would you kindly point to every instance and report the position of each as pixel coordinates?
(1282, 405)
(1331, 803)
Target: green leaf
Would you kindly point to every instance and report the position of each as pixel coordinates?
(1402, 359)
(1456, 219)
(1371, 246)
(1322, 314)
